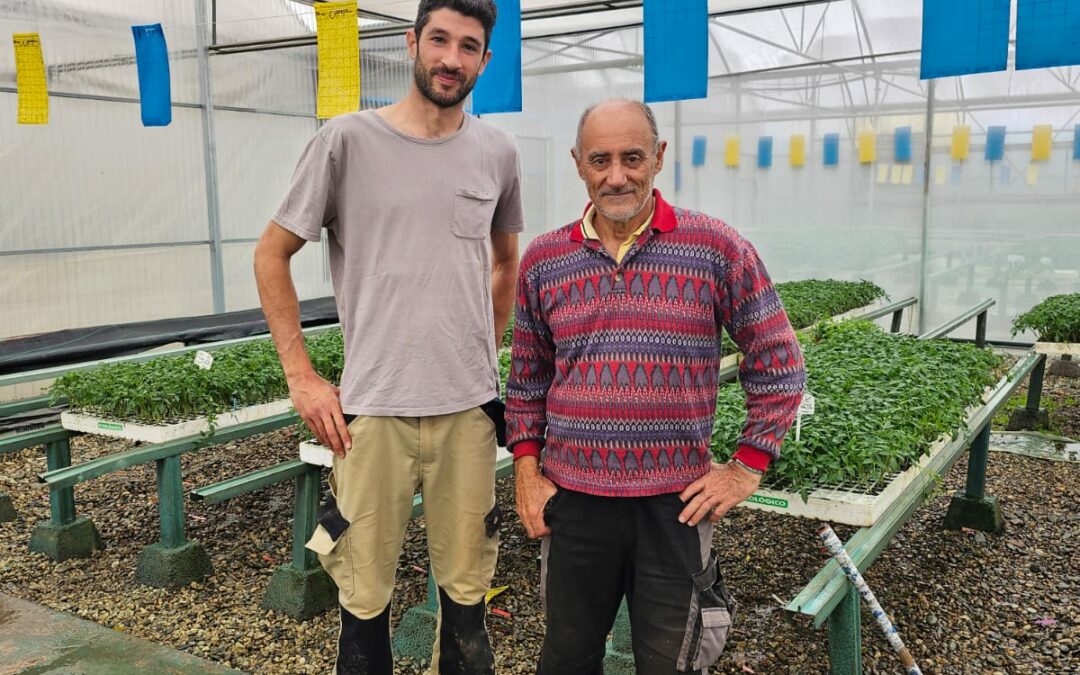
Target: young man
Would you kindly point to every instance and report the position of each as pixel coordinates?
(615, 355)
(422, 206)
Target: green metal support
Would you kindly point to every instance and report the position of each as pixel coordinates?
(897, 321)
(170, 490)
(7, 509)
(250, 482)
(977, 312)
(971, 508)
(302, 589)
(61, 500)
(28, 404)
(845, 635)
(415, 634)
(1032, 415)
(64, 536)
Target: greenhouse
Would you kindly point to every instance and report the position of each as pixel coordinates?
(249, 382)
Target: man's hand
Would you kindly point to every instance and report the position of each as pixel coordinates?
(319, 404)
(532, 492)
(716, 492)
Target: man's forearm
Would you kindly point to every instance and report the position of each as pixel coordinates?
(503, 284)
(282, 310)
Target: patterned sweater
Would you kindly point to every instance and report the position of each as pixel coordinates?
(614, 366)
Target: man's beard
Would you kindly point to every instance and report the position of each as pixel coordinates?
(624, 214)
(425, 82)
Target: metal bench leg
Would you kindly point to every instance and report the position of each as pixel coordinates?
(620, 651)
(64, 536)
(845, 635)
(302, 589)
(971, 507)
(897, 320)
(173, 561)
(415, 635)
(1032, 415)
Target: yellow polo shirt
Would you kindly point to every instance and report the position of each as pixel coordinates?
(590, 231)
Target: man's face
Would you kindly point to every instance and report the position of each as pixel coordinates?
(449, 56)
(618, 160)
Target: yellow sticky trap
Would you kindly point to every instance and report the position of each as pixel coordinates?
(493, 592)
(882, 173)
(798, 150)
(897, 174)
(961, 142)
(1032, 174)
(867, 146)
(339, 58)
(731, 151)
(1040, 143)
(908, 174)
(30, 78)
(939, 176)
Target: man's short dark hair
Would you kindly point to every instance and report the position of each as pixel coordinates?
(482, 10)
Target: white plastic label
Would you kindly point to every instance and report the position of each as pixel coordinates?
(806, 407)
(203, 359)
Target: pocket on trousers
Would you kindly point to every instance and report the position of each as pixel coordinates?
(473, 211)
(712, 610)
(335, 557)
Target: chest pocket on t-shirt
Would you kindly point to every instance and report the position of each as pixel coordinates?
(473, 210)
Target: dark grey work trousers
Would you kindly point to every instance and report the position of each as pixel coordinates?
(604, 548)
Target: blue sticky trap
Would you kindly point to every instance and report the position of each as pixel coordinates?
(676, 50)
(902, 144)
(764, 152)
(832, 150)
(956, 175)
(152, 63)
(698, 157)
(499, 89)
(1047, 33)
(960, 37)
(920, 174)
(1076, 142)
(1006, 174)
(995, 144)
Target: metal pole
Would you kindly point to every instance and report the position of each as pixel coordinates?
(924, 247)
(897, 320)
(845, 636)
(213, 211)
(1035, 386)
(170, 501)
(977, 458)
(305, 512)
(62, 500)
(980, 329)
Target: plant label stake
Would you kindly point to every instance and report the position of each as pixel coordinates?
(203, 359)
(836, 548)
(806, 407)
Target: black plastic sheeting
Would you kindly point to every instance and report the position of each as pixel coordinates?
(102, 342)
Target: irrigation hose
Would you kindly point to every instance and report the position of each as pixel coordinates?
(836, 548)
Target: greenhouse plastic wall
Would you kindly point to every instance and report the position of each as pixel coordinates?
(119, 230)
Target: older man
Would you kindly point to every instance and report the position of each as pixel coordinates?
(613, 388)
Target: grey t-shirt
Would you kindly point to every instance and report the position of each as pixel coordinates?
(409, 227)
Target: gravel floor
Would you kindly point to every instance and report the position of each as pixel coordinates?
(963, 601)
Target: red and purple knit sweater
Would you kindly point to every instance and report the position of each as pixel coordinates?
(614, 366)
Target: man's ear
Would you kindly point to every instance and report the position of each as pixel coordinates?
(483, 64)
(411, 42)
(577, 163)
(660, 156)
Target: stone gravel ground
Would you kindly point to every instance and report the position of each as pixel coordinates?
(964, 602)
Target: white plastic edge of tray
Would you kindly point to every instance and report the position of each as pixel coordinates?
(313, 453)
(151, 433)
(853, 508)
(1058, 348)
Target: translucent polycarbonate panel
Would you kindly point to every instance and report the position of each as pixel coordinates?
(1009, 229)
(54, 291)
(310, 272)
(89, 49)
(257, 154)
(94, 176)
(280, 80)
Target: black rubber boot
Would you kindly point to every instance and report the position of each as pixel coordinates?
(464, 647)
(364, 645)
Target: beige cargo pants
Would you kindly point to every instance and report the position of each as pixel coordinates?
(451, 459)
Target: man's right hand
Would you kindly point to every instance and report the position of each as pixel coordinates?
(532, 492)
(319, 404)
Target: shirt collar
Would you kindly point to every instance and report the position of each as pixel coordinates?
(663, 220)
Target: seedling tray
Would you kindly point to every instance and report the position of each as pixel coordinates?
(160, 433)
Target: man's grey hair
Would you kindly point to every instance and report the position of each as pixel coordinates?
(643, 107)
